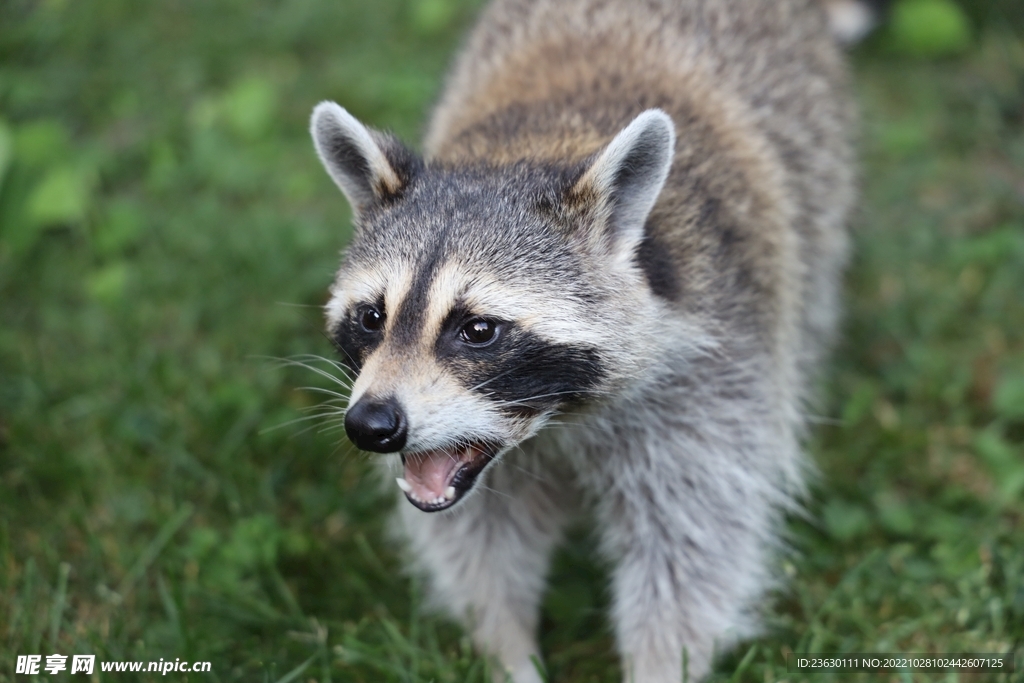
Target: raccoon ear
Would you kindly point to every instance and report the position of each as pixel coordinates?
(626, 178)
(368, 166)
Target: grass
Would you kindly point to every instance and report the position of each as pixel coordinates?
(165, 229)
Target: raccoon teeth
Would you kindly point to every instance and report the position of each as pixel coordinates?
(404, 485)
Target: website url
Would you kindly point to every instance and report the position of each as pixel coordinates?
(33, 665)
(161, 667)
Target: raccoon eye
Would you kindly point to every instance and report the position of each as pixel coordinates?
(370, 318)
(478, 332)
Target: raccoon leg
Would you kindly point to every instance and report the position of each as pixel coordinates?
(487, 560)
(689, 530)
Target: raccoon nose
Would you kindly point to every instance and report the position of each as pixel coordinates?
(375, 425)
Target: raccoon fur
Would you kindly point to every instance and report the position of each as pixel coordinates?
(603, 288)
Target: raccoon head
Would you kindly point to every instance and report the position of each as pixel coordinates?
(476, 302)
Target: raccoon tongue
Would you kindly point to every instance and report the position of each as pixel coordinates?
(430, 474)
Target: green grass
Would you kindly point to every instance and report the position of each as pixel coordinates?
(165, 229)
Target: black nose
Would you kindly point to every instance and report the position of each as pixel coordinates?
(376, 425)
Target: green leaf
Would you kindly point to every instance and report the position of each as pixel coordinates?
(1005, 461)
(62, 197)
(432, 16)
(41, 143)
(844, 520)
(119, 230)
(201, 542)
(894, 513)
(903, 138)
(108, 283)
(249, 107)
(991, 249)
(994, 450)
(1008, 398)
(859, 403)
(929, 28)
(254, 542)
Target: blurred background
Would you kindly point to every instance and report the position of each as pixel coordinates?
(166, 233)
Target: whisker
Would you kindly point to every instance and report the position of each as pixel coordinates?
(338, 347)
(527, 401)
(563, 423)
(304, 359)
(522, 401)
(495, 491)
(323, 373)
(501, 374)
(345, 370)
(331, 428)
(321, 390)
(528, 472)
(294, 305)
(308, 429)
(304, 418)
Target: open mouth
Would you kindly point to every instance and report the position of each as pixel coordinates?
(436, 480)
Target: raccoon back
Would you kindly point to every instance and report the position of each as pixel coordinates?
(750, 226)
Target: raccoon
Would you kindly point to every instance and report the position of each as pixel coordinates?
(603, 289)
